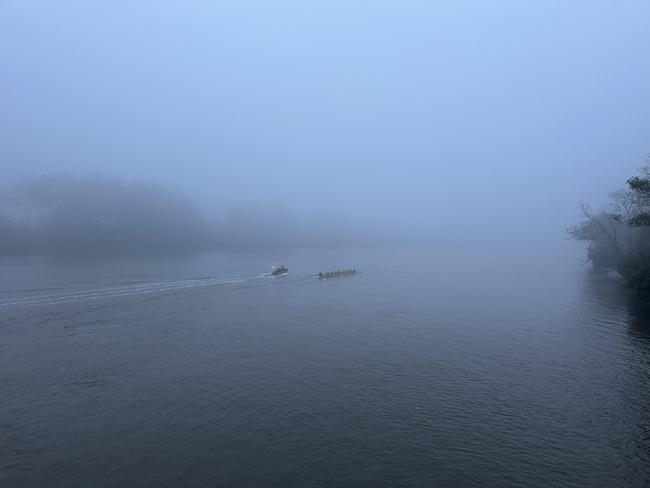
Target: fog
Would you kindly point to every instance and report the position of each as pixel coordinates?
(304, 243)
(284, 124)
(97, 215)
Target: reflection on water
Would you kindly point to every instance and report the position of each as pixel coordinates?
(611, 298)
(611, 301)
(639, 309)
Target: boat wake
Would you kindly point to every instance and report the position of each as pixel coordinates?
(31, 298)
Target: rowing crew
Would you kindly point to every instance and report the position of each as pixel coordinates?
(336, 274)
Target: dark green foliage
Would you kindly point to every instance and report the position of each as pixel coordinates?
(640, 185)
(640, 220)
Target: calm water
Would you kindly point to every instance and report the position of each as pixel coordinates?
(430, 369)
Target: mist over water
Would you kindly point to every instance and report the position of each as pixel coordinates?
(158, 158)
(100, 216)
(459, 123)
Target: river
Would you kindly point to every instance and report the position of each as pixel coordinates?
(429, 368)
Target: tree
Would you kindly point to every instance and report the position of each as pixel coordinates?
(626, 206)
(640, 188)
(603, 232)
(619, 237)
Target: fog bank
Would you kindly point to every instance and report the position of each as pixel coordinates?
(478, 123)
(97, 215)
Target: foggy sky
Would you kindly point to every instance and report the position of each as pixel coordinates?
(464, 118)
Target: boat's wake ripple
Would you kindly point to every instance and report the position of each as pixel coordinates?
(72, 295)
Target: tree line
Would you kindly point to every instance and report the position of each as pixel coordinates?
(66, 214)
(618, 237)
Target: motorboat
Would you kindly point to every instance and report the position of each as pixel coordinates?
(279, 270)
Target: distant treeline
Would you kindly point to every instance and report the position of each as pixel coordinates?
(619, 236)
(97, 215)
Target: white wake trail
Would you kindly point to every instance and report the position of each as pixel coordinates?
(73, 296)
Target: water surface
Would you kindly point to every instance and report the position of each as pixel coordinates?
(429, 369)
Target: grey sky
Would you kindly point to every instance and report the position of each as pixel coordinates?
(451, 113)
